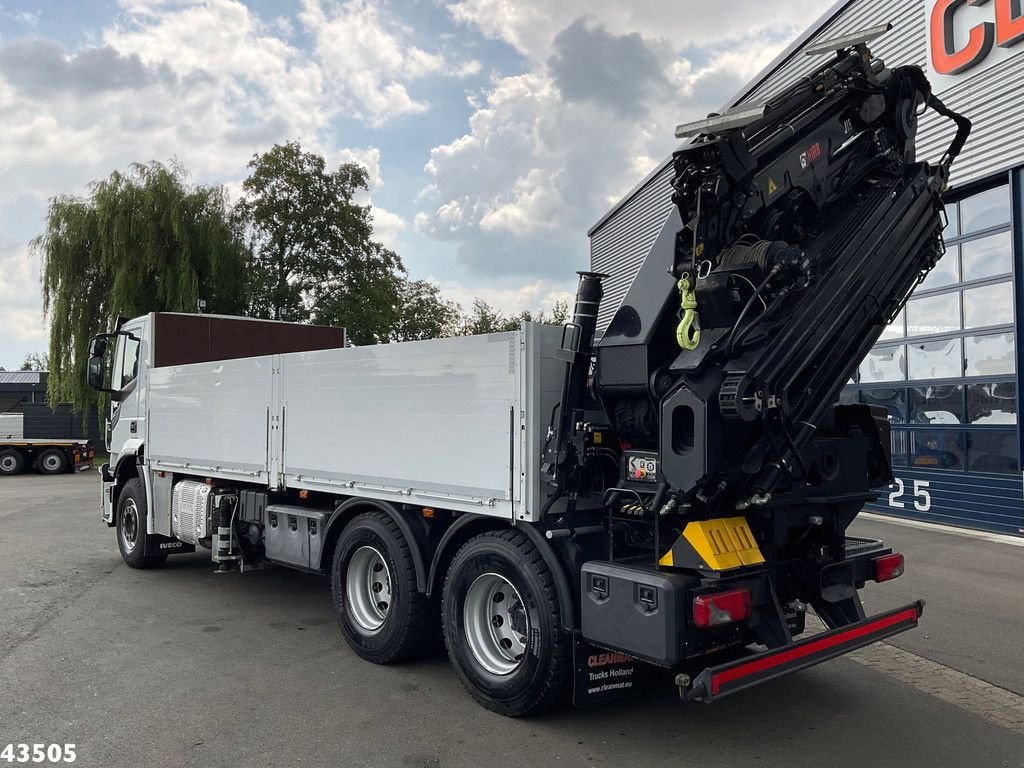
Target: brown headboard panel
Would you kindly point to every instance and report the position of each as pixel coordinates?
(179, 339)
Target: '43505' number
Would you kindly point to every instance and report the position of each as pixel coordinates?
(38, 753)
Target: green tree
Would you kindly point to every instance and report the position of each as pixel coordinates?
(315, 259)
(307, 230)
(141, 241)
(484, 318)
(378, 303)
(35, 362)
(424, 313)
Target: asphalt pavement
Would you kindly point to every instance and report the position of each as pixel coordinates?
(182, 667)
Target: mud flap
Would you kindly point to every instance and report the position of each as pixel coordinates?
(164, 545)
(600, 674)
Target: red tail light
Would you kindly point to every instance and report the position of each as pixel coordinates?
(720, 608)
(888, 567)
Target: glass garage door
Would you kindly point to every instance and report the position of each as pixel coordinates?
(946, 372)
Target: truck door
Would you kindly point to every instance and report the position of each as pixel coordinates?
(126, 416)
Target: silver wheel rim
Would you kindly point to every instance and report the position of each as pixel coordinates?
(51, 462)
(7, 463)
(496, 623)
(368, 589)
(129, 525)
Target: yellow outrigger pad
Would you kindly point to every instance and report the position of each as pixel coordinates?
(721, 544)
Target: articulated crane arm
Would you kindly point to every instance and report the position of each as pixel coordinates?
(801, 228)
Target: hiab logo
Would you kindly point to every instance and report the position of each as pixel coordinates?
(969, 36)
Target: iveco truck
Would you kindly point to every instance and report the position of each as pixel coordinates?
(570, 510)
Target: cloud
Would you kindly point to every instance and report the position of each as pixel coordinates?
(40, 66)
(554, 137)
(620, 71)
(387, 227)
(369, 55)
(207, 83)
(532, 296)
(19, 276)
(27, 18)
(548, 151)
(530, 26)
(21, 318)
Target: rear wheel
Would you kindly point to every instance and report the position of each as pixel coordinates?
(501, 621)
(131, 526)
(382, 614)
(11, 462)
(52, 461)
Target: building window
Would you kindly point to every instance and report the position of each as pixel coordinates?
(938, 449)
(945, 370)
(990, 355)
(897, 328)
(885, 364)
(986, 257)
(992, 404)
(945, 272)
(943, 404)
(893, 400)
(988, 305)
(935, 359)
(933, 314)
(985, 210)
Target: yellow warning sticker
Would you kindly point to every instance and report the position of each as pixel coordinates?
(772, 186)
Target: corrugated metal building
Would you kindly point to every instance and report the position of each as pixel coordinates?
(948, 368)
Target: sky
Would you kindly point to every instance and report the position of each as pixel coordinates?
(495, 132)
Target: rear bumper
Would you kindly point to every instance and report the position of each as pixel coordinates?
(725, 679)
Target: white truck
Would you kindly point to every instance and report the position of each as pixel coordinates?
(562, 508)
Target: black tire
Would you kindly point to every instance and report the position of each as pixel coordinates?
(541, 675)
(11, 462)
(372, 546)
(52, 461)
(131, 526)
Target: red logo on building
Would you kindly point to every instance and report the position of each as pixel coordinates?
(953, 56)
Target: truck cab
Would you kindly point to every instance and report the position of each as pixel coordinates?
(120, 362)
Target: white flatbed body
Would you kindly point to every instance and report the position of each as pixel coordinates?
(457, 423)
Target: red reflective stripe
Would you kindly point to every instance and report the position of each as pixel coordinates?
(751, 667)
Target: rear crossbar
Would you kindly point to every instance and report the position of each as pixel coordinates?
(726, 679)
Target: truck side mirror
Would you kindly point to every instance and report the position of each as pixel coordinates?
(95, 375)
(96, 371)
(97, 346)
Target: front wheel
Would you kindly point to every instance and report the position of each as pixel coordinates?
(131, 526)
(500, 615)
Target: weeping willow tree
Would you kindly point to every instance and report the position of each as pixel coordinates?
(141, 241)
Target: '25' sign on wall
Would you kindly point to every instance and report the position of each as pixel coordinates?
(900, 495)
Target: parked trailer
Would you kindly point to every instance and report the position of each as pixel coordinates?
(49, 457)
